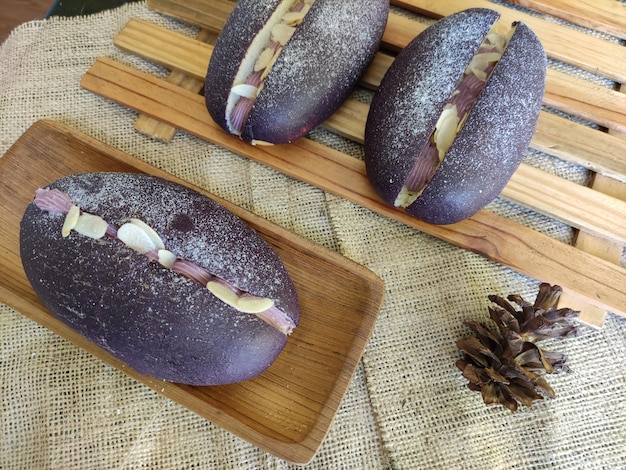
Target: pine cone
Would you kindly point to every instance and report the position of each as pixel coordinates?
(505, 365)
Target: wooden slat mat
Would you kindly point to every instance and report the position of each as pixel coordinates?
(599, 211)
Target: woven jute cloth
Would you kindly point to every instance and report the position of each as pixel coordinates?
(407, 406)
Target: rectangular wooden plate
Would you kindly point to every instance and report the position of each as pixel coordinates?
(288, 409)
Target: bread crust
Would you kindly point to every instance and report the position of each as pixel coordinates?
(244, 23)
(315, 73)
(156, 321)
(494, 139)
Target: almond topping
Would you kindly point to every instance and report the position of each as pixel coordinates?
(156, 239)
(135, 237)
(261, 143)
(71, 219)
(294, 18)
(267, 69)
(223, 293)
(264, 59)
(245, 90)
(91, 225)
(446, 130)
(166, 258)
(245, 304)
(282, 33)
(143, 239)
(249, 304)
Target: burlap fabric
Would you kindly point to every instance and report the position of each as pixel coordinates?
(407, 406)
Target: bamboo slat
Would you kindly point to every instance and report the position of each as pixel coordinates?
(163, 47)
(604, 249)
(210, 15)
(607, 250)
(598, 151)
(158, 129)
(575, 96)
(576, 143)
(562, 43)
(557, 136)
(577, 206)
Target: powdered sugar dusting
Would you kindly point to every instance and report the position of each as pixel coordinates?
(192, 226)
(413, 93)
(492, 144)
(158, 322)
(246, 20)
(317, 68)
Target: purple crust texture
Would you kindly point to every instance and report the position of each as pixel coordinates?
(413, 93)
(492, 142)
(315, 73)
(244, 23)
(159, 323)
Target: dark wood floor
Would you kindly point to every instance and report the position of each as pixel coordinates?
(16, 12)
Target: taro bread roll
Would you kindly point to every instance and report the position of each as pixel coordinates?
(161, 276)
(282, 67)
(454, 115)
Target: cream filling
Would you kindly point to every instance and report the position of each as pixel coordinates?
(453, 116)
(259, 60)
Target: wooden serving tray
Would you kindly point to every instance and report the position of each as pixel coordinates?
(289, 408)
(589, 272)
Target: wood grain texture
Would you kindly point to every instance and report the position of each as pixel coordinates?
(163, 47)
(522, 249)
(210, 15)
(158, 129)
(571, 47)
(578, 206)
(608, 16)
(567, 45)
(604, 249)
(595, 150)
(580, 98)
(570, 141)
(529, 186)
(607, 250)
(288, 409)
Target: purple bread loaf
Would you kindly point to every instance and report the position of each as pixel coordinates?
(420, 154)
(150, 307)
(311, 67)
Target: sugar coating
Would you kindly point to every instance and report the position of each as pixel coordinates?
(157, 321)
(493, 141)
(192, 226)
(413, 93)
(315, 72)
(247, 18)
(317, 69)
